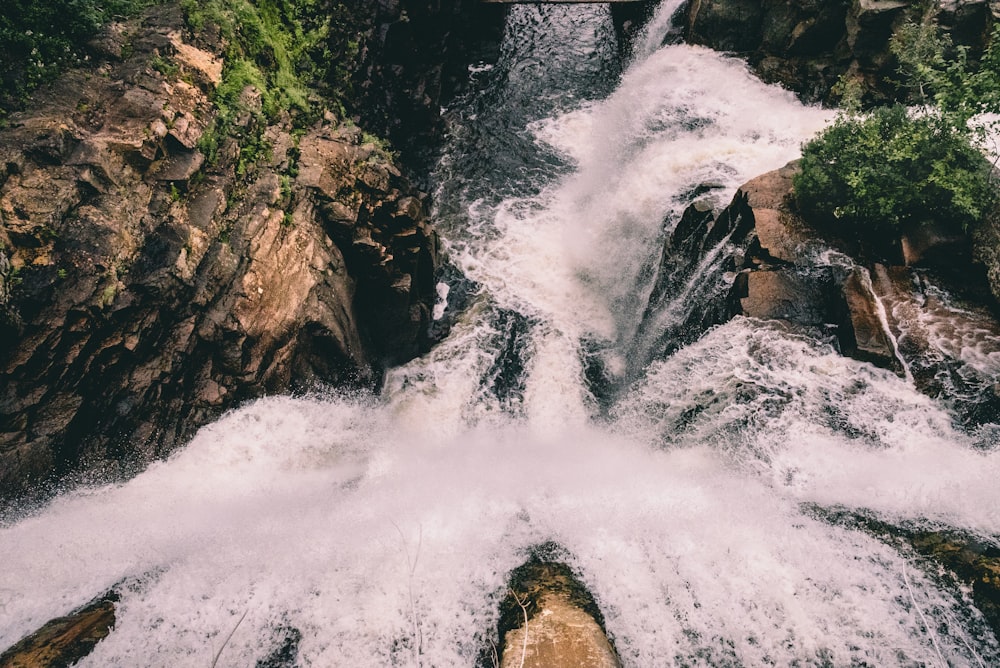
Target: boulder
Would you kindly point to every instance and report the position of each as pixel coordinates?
(549, 620)
(864, 332)
(782, 295)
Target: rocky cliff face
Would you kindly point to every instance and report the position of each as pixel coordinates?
(807, 45)
(144, 291)
(413, 56)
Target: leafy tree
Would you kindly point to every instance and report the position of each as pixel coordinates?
(891, 170)
(953, 86)
(886, 171)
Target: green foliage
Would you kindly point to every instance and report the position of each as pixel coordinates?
(164, 66)
(40, 37)
(873, 175)
(892, 170)
(939, 74)
(277, 47)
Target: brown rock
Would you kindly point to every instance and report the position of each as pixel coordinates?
(782, 295)
(864, 333)
(66, 640)
(934, 245)
(142, 310)
(180, 166)
(559, 636)
(554, 622)
(208, 65)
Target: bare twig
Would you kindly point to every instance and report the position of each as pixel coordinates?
(524, 611)
(228, 638)
(412, 563)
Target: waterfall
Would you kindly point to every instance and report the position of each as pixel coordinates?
(379, 531)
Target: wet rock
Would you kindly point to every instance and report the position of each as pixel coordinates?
(807, 46)
(781, 234)
(66, 640)
(549, 620)
(971, 561)
(144, 291)
(780, 267)
(286, 650)
(684, 302)
(863, 335)
(782, 295)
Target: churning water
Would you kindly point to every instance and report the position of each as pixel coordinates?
(380, 531)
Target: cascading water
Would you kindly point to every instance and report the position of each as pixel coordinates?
(380, 531)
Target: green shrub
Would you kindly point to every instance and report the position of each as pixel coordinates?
(891, 170)
(878, 174)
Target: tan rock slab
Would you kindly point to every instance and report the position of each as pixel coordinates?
(559, 635)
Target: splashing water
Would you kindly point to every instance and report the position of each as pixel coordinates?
(380, 531)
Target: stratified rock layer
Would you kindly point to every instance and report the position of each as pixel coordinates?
(143, 291)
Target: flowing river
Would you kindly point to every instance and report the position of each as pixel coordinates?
(378, 531)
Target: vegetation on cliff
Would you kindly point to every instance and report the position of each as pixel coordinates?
(277, 47)
(40, 37)
(892, 168)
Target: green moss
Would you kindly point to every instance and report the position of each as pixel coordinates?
(164, 66)
(277, 47)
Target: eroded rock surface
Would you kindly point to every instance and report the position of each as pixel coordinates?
(143, 290)
(549, 620)
(929, 318)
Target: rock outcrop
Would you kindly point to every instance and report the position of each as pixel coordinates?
(65, 640)
(807, 45)
(928, 317)
(143, 291)
(413, 57)
(550, 620)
